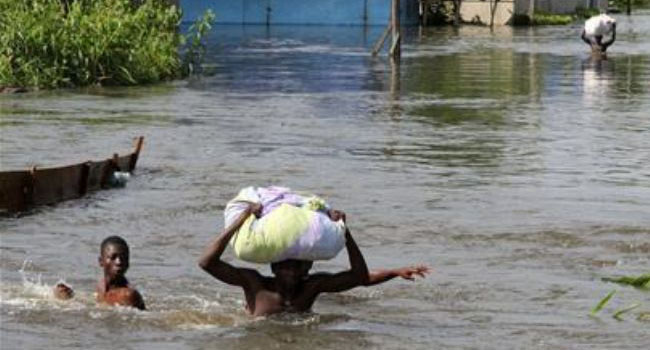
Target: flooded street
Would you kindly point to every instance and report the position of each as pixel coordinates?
(510, 161)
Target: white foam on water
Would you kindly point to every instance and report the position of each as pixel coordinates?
(34, 294)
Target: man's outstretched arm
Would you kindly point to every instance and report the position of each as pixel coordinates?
(211, 261)
(407, 273)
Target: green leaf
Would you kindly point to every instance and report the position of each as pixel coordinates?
(641, 281)
(618, 313)
(127, 75)
(602, 303)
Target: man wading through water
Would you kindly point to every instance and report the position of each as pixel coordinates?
(293, 289)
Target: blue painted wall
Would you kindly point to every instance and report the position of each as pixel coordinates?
(338, 12)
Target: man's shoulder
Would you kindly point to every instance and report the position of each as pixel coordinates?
(253, 276)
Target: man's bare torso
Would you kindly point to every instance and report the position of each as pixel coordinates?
(263, 297)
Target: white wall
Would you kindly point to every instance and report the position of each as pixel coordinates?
(558, 6)
(479, 11)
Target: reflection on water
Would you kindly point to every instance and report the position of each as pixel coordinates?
(507, 159)
(597, 79)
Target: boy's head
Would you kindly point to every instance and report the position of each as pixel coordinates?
(291, 272)
(114, 257)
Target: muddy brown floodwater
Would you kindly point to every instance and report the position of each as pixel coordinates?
(508, 160)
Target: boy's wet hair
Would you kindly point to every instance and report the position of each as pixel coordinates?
(113, 240)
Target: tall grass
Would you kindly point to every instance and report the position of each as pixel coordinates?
(44, 44)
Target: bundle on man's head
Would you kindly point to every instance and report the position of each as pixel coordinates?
(599, 25)
(292, 225)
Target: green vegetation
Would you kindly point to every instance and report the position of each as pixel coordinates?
(584, 13)
(622, 4)
(601, 304)
(543, 19)
(618, 313)
(196, 49)
(642, 281)
(61, 43)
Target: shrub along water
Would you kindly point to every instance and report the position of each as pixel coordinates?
(64, 43)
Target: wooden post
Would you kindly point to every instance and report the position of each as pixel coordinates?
(395, 50)
(457, 12)
(395, 85)
(424, 5)
(629, 7)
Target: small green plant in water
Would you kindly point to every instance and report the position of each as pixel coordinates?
(602, 303)
(641, 281)
(196, 48)
(617, 315)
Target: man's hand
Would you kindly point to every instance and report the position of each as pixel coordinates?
(336, 215)
(256, 209)
(409, 273)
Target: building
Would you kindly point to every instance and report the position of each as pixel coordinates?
(503, 11)
(369, 12)
(327, 12)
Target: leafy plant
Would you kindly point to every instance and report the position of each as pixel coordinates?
(196, 48)
(62, 43)
(621, 4)
(641, 281)
(602, 303)
(618, 313)
(543, 18)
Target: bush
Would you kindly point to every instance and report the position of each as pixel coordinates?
(621, 4)
(541, 18)
(61, 43)
(584, 13)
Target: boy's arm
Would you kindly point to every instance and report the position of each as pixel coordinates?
(211, 261)
(407, 273)
(342, 281)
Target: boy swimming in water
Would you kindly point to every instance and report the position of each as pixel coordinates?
(293, 289)
(113, 288)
